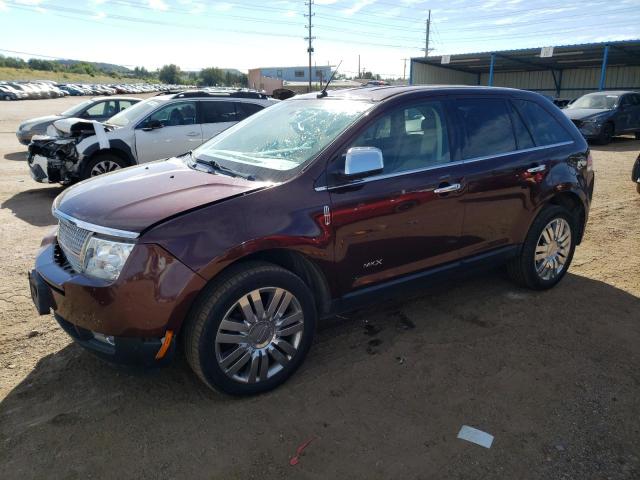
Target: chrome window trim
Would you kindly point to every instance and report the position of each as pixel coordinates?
(112, 232)
(442, 165)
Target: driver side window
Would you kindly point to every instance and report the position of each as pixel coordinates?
(176, 114)
(410, 137)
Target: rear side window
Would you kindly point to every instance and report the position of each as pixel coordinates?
(218, 112)
(487, 127)
(247, 109)
(545, 129)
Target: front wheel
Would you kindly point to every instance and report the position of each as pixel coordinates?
(547, 250)
(606, 135)
(100, 164)
(251, 329)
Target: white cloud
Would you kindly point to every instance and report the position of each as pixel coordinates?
(290, 14)
(158, 5)
(28, 2)
(356, 7)
(223, 6)
(99, 16)
(3, 6)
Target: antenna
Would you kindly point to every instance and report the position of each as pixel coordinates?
(323, 93)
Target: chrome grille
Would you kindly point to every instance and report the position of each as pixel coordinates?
(71, 239)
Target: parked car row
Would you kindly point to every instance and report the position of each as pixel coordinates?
(38, 89)
(30, 90)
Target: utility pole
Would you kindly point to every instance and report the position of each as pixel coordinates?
(426, 47)
(358, 65)
(404, 70)
(310, 38)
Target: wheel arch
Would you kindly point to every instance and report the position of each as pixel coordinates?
(291, 260)
(573, 203)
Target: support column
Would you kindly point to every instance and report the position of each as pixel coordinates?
(603, 71)
(493, 59)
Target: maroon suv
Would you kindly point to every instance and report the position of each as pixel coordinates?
(305, 209)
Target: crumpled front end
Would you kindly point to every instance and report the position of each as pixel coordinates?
(54, 158)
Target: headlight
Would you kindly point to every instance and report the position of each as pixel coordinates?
(105, 258)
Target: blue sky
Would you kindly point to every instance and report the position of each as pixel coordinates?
(245, 34)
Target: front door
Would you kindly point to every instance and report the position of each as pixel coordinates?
(409, 216)
(169, 131)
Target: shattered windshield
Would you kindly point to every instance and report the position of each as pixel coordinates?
(133, 113)
(281, 138)
(600, 101)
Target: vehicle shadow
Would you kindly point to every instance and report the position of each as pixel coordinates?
(34, 206)
(527, 366)
(16, 156)
(618, 144)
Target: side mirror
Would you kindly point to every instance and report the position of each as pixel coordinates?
(153, 125)
(363, 161)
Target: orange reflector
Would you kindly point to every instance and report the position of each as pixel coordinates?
(166, 342)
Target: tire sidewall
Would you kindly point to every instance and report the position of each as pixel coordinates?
(528, 251)
(214, 375)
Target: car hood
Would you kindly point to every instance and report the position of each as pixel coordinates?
(584, 113)
(136, 198)
(32, 122)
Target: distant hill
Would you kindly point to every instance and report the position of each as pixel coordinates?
(105, 67)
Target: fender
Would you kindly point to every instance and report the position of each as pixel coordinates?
(118, 145)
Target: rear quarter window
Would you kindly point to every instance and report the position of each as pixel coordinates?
(487, 127)
(544, 128)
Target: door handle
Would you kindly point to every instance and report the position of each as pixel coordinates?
(454, 187)
(192, 134)
(538, 169)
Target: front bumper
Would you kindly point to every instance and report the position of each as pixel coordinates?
(43, 169)
(24, 137)
(151, 297)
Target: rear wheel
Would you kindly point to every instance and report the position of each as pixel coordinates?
(251, 329)
(101, 164)
(547, 250)
(6, 97)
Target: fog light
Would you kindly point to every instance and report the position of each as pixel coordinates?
(105, 338)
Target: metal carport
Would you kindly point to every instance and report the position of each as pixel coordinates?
(570, 71)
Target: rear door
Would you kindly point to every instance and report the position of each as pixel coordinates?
(507, 146)
(408, 217)
(216, 116)
(176, 131)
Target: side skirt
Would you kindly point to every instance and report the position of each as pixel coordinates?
(409, 284)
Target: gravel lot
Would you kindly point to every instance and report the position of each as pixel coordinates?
(554, 376)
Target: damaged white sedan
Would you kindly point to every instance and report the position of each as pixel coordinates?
(160, 127)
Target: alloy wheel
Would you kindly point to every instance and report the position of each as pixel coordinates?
(104, 166)
(259, 335)
(552, 249)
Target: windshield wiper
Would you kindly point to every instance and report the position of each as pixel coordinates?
(218, 168)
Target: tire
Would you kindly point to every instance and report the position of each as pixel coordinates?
(229, 353)
(6, 98)
(523, 269)
(606, 135)
(637, 135)
(638, 187)
(102, 163)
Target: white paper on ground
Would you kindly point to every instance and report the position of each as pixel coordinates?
(476, 436)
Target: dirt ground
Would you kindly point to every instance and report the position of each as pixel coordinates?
(554, 376)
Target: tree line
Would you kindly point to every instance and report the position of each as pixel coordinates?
(171, 74)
